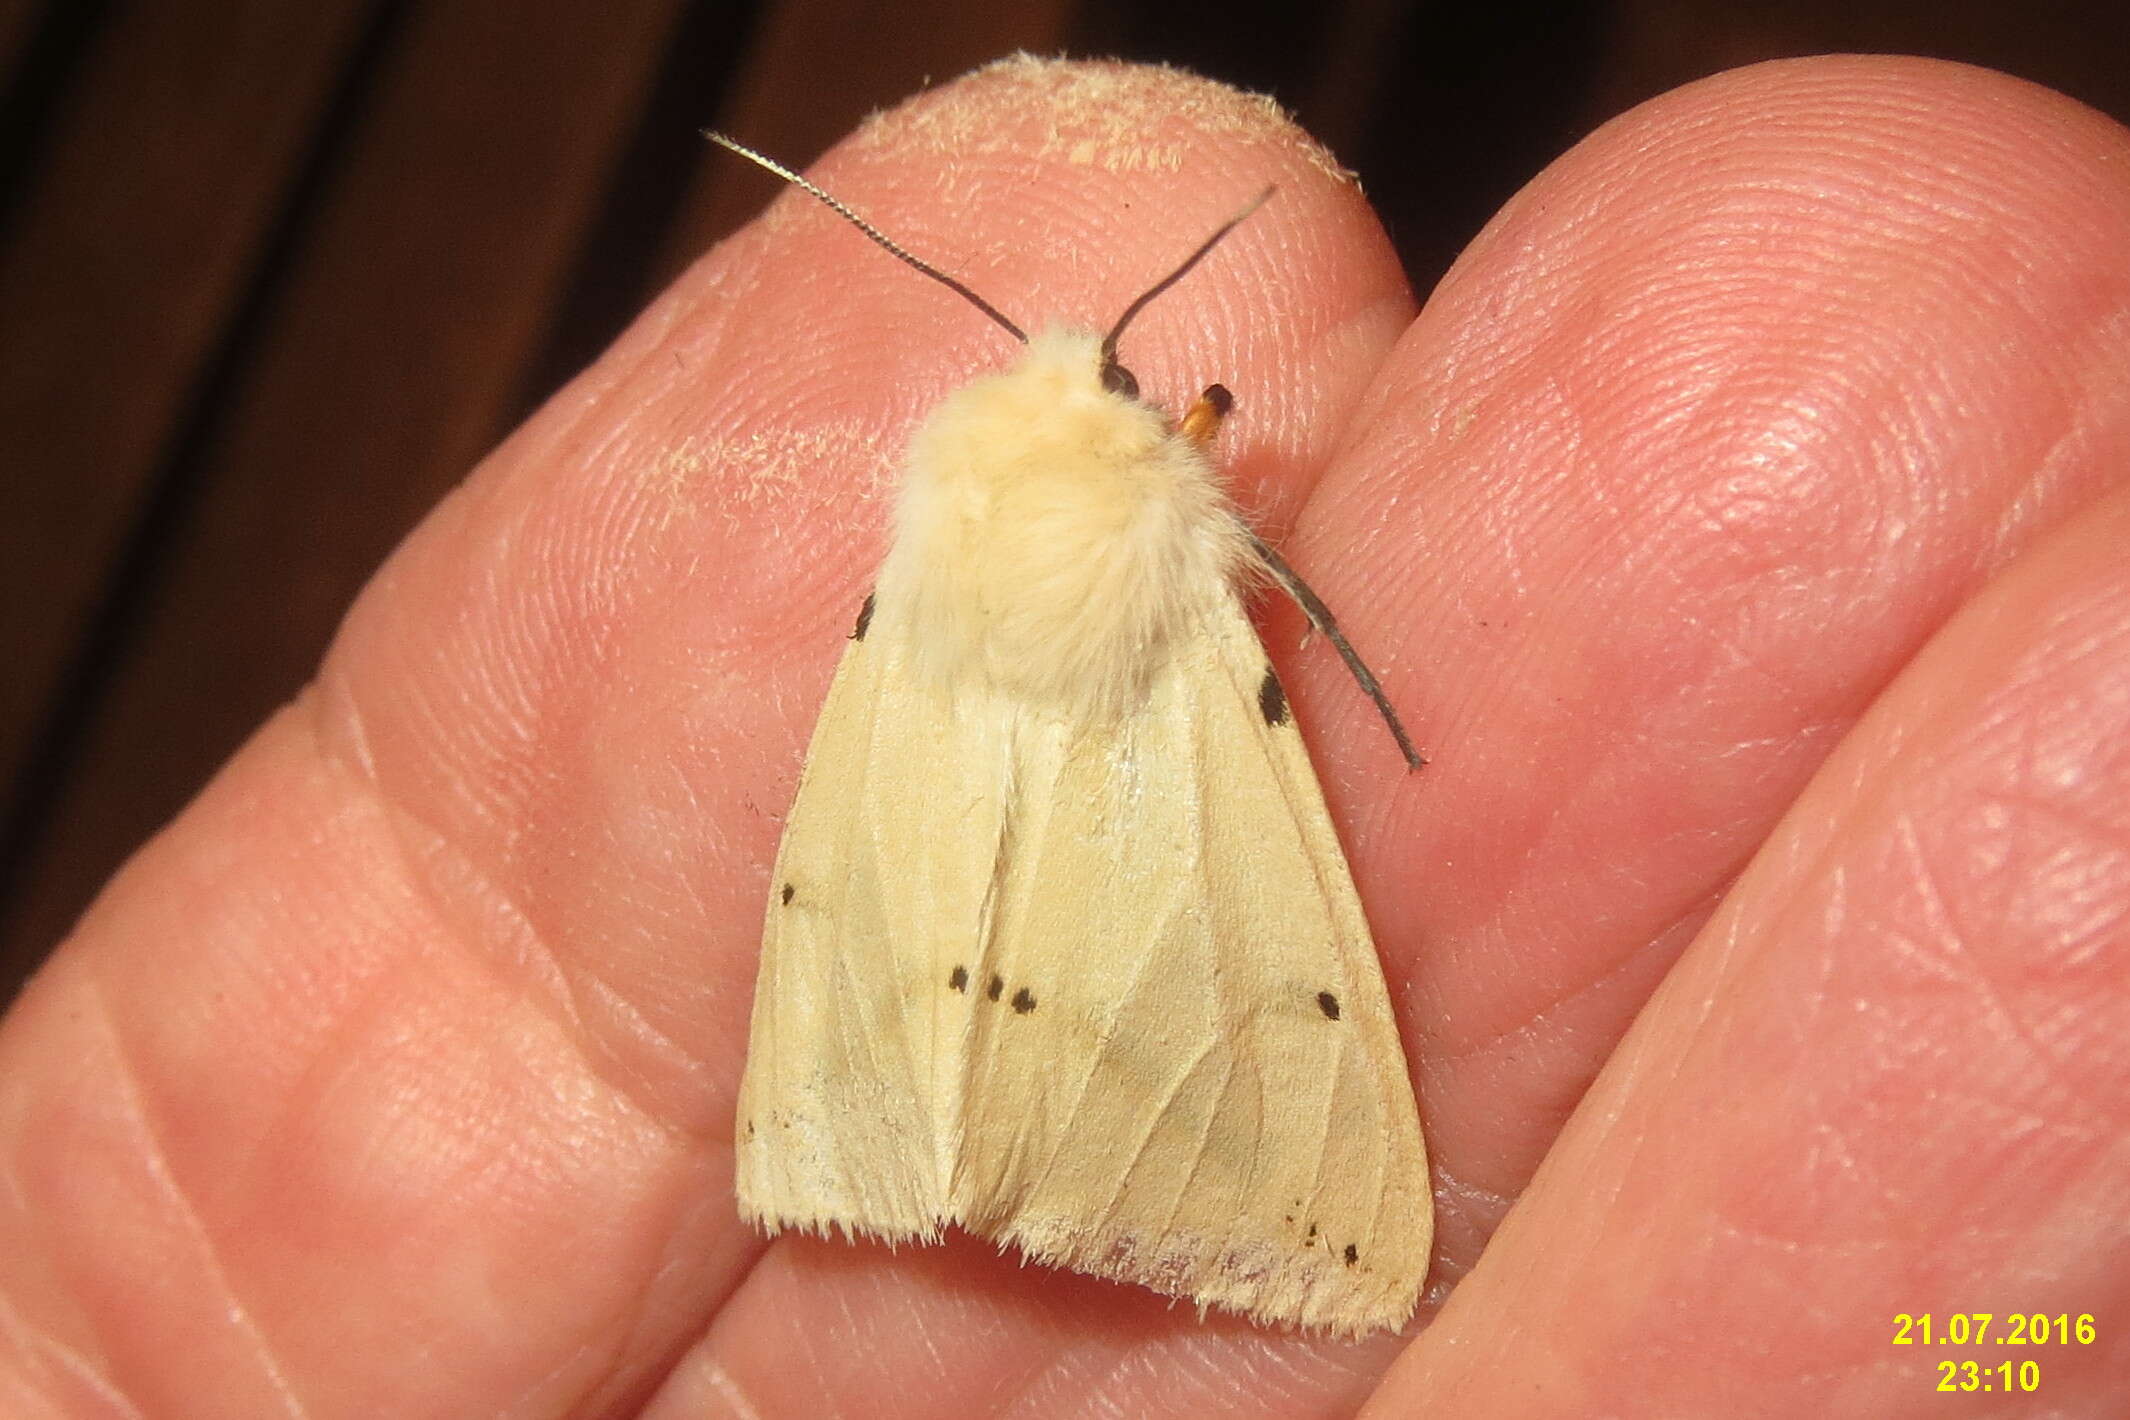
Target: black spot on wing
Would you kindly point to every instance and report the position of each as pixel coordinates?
(1023, 1001)
(1352, 1254)
(958, 979)
(786, 895)
(1272, 699)
(1328, 1004)
(865, 619)
(998, 985)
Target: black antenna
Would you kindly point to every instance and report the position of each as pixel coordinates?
(881, 238)
(1321, 618)
(1109, 341)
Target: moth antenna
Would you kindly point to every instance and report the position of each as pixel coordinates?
(880, 238)
(1109, 341)
(1321, 618)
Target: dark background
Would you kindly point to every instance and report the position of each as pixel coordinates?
(275, 273)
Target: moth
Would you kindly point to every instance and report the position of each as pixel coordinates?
(1061, 947)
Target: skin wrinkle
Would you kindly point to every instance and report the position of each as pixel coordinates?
(1288, 1365)
(1031, 1395)
(1025, 1385)
(677, 1349)
(1943, 950)
(1086, 1387)
(1285, 1363)
(807, 1341)
(930, 1346)
(2092, 938)
(730, 1391)
(1832, 1151)
(1611, 1129)
(1212, 1374)
(333, 717)
(1031, 1376)
(155, 1157)
(1527, 1029)
(532, 1388)
(44, 1348)
(570, 1019)
(1978, 980)
(361, 772)
(361, 769)
(1731, 656)
(2003, 1118)
(617, 1004)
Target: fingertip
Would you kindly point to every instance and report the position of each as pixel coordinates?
(1784, 353)
(1059, 190)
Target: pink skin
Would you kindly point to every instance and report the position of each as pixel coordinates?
(1739, 529)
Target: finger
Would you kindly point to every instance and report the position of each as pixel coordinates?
(1707, 433)
(1889, 1078)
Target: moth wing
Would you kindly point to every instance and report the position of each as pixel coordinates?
(1188, 1075)
(847, 1112)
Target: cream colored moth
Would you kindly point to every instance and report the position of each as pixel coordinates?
(1061, 946)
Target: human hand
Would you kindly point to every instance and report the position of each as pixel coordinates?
(1739, 531)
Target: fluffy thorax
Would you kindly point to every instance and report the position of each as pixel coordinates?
(1052, 539)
